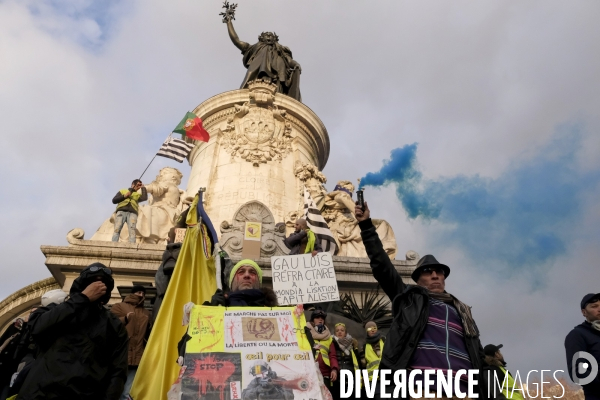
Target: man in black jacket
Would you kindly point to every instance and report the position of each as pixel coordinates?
(585, 337)
(82, 346)
(431, 328)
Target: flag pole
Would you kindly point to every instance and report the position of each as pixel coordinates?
(148, 166)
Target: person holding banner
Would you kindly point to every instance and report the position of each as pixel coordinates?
(303, 240)
(324, 352)
(346, 348)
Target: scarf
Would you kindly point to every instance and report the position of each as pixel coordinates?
(310, 243)
(345, 343)
(463, 310)
(374, 342)
(316, 335)
(247, 297)
(596, 325)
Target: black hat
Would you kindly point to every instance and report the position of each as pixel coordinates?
(318, 312)
(138, 288)
(426, 262)
(491, 349)
(589, 298)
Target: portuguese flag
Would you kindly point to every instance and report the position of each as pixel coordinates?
(191, 126)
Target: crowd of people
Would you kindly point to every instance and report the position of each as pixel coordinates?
(75, 347)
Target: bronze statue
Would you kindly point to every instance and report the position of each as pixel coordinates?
(267, 59)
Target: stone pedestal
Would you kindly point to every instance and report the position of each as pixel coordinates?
(257, 139)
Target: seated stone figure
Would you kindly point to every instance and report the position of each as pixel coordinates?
(156, 218)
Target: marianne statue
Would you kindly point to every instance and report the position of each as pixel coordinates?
(267, 59)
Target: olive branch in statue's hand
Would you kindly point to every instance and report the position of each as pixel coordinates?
(229, 13)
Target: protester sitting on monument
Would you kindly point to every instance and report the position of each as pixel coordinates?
(346, 349)
(431, 329)
(498, 373)
(82, 346)
(585, 337)
(127, 208)
(136, 319)
(321, 341)
(303, 240)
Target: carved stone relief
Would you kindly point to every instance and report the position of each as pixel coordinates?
(258, 131)
(273, 234)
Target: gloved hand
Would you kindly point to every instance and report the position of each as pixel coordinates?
(218, 299)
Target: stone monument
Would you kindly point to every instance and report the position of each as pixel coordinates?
(265, 147)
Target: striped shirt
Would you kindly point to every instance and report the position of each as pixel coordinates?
(442, 346)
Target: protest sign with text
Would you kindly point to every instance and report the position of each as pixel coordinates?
(248, 353)
(304, 279)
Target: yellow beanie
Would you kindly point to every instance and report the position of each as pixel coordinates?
(242, 263)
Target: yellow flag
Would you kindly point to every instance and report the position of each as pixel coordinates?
(193, 280)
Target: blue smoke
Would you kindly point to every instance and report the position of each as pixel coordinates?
(522, 218)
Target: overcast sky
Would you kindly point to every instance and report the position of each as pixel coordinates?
(501, 97)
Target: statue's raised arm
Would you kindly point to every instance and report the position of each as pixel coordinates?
(267, 59)
(228, 16)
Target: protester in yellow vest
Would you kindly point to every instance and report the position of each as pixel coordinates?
(321, 340)
(127, 208)
(373, 347)
(303, 240)
(346, 348)
(495, 360)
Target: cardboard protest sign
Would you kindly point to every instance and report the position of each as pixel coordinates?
(304, 279)
(248, 353)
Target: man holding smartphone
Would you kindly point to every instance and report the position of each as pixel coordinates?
(127, 208)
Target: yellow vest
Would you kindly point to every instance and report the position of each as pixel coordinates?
(372, 359)
(510, 382)
(324, 349)
(133, 199)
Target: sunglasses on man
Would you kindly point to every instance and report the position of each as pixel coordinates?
(437, 270)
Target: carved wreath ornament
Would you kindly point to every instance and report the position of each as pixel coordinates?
(258, 134)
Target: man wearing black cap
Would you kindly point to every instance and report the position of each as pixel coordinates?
(82, 346)
(136, 319)
(585, 338)
(432, 329)
(495, 360)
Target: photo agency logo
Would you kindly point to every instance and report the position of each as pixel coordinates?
(386, 384)
(583, 372)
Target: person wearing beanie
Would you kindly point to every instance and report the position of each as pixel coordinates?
(82, 347)
(244, 280)
(245, 283)
(346, 348)
(321, 341)
(585, 337)
(373, 348)
(431, 328)
(137, 321)
(499, 373)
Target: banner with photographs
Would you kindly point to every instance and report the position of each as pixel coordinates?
(248, 353)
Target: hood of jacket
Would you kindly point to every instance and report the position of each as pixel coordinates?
(87, 277)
